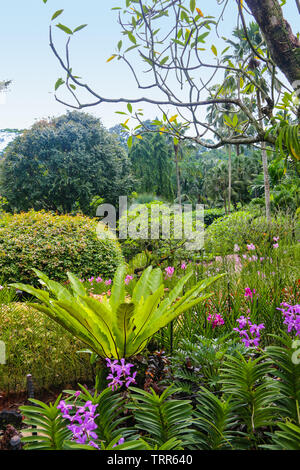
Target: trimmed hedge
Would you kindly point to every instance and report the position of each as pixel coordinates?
(243, 228)
(37, 345)
(54, 244)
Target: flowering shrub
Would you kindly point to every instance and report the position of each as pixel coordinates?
(248, 331)
(120, 374)
(249, 293)
(83, 424)
(39, 345)
(291, 314)
(215, 320)
(54, 244)
(224, 235)
(169, 271)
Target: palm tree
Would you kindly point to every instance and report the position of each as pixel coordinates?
(242, 50)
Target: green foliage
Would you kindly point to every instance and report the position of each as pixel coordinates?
(243, 228)
(251, 390)
(286, 438)
(50, 427)
(54, 244)
(161, 418)
(110, 409)
(287, 371)
(166, 243)
(205, 357)
(114, 327)
(216, 422)
(37, 345)
(288, 140)
(152, 165)
(62, 163)
(210, 215)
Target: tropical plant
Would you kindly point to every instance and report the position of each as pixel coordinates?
(199, 359)
(162, 419)
(55, 244)
(62, 163)
(287, 373)
(152, 165)
(252, 391)
(116, 327)
(49, 431)
(110, 411)
(287, 437)
(216, 422)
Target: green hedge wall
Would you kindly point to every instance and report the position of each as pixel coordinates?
(54, 244)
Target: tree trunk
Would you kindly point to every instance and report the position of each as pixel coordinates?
(264, 161)
(229, 178)
(283, 45)
(225, 205)
(176, 147)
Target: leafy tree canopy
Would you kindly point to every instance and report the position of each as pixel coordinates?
(62, 163)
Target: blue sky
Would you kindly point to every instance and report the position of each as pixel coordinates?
(26, 57)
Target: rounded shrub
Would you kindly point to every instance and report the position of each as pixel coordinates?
(243, 228)
(166, 243)
(54, 244)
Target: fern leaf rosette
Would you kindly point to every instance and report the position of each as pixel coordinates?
(118, 326)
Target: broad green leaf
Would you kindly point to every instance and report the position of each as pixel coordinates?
(118, 289)
(141, 288)
(121, 329)
(76, 284)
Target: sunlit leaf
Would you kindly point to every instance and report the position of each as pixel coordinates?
(214, 50)
(111, 58)
(129, 141)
